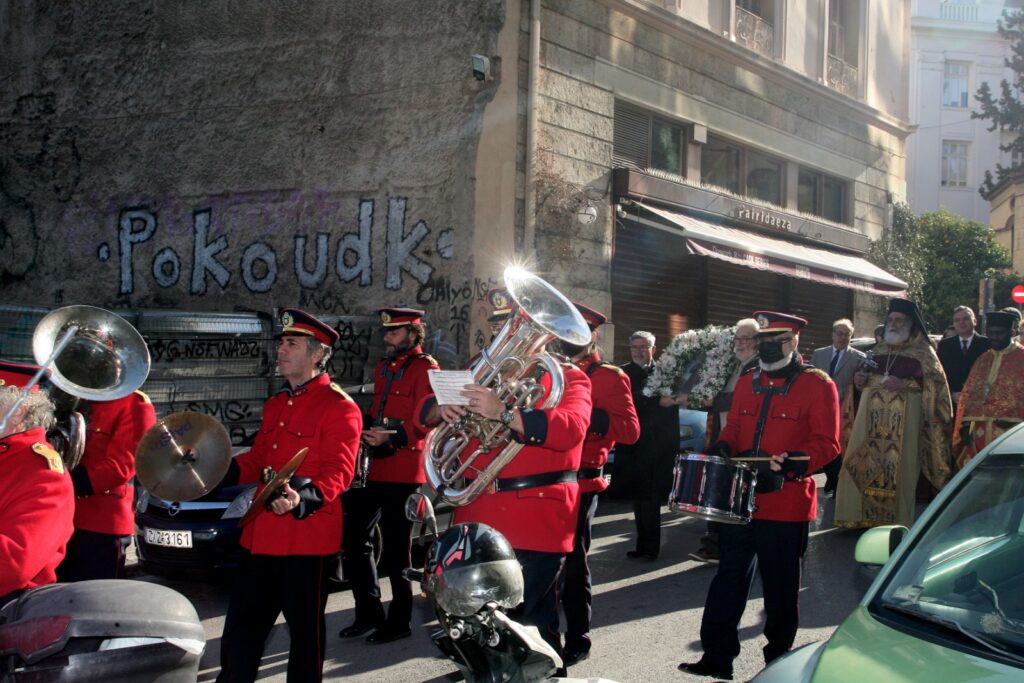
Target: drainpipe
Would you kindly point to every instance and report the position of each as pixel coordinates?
(530, 227)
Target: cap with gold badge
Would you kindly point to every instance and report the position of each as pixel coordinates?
(297, 322)
(396, 317)
(773, 322)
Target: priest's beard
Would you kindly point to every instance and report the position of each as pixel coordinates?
(777, 365)
(897, 337)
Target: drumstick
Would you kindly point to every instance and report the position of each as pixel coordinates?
(766, 459)
(380, 431)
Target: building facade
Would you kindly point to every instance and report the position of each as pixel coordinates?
(955, 48)
(675, 163)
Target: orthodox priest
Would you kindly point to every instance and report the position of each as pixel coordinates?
(991, 401)
(901, 429)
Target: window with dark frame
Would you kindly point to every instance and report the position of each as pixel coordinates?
(822, 195)
(742, 171)
(643, 140)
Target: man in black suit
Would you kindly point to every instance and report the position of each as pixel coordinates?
(957, 354)
(643, 471)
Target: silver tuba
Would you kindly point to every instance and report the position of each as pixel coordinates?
(508, 366)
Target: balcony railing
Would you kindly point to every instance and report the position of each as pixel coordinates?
(754, 33)
(842, 76)
(955, 11)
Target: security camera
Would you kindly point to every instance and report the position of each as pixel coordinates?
(481, 67)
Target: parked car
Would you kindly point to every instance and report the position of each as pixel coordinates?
(202, 535)
(948, 604)
(692, 429)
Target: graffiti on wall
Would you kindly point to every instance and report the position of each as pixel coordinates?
(237, 240)
(458, 301)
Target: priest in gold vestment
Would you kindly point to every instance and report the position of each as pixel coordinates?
(992, 400)
(902, 427)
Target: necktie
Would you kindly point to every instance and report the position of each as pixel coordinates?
(832, 365)
(964, 343)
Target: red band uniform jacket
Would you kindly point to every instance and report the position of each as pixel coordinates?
(36, 511)
(804, 421)
(409, 386)
(103, 489)
(613, 417)
(541, 518)
(321, 416)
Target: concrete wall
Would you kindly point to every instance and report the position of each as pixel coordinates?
(233, 156)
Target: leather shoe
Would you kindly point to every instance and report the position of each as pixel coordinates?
(575, 657)
(704, 668)
(388, 634)
(641, 555)
(358, 628)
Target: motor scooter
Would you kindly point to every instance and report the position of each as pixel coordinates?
(105, 630)
(471, 576)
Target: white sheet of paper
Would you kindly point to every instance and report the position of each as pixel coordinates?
(448, 384)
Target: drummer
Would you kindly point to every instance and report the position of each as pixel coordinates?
(289, 544)
(798, 435)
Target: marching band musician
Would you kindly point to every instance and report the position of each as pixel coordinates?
(783, 412)
(36, 495)
(534, 503)
(289, 544)
(104, 494)
(501, 310)
(613, 419)
(396, 470)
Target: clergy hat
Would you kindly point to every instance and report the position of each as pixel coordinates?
(18, 374)
(909, 309)
(296, 322)
(397, 317)
(1001, 319)
(772, 322)
(1012, 310)
(594, 318)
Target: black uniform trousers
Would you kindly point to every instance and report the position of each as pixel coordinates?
(577, 590)
(383, 503)
(541, 571)
(647, 514)
(92, 555)
(267, 585)
(776, 550)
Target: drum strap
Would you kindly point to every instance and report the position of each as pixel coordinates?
(768, 392)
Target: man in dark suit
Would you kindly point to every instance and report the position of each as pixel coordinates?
(957, 354)
(840, 362)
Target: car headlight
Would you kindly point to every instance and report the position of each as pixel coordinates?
(143, 502)
(240, 505)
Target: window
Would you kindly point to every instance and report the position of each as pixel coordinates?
(843, 46)
(643, 140)
(754, 27)
(742, 171)
(954, 164)
(954, 84)
(821, 195)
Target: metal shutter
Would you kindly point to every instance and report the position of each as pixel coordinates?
(631, 137)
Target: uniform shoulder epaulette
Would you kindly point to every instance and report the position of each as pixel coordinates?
(144, 396)
(817, 371)
(52, 457)
(335, 387)
(616, 368)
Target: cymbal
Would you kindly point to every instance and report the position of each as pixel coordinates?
(278, 482)
(183, 456)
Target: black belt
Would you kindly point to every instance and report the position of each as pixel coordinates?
(534, 480)
(591, 472)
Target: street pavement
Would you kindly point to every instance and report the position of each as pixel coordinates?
(646, 613)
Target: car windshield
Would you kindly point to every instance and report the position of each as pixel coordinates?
(963, 578)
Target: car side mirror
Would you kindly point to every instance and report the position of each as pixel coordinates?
(876, 546)
(419, 509)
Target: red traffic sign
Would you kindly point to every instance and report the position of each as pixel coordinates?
(1017, 294)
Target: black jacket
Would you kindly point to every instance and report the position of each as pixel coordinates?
(956, 365)
(644, 470)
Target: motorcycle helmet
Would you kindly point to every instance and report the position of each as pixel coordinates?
(470, 565)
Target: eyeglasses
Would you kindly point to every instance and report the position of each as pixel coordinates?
(739, 338)
(636, 347)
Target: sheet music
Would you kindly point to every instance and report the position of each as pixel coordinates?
(448, 384)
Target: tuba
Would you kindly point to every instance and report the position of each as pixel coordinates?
(508, 366)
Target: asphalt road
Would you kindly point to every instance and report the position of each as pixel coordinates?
(646, 614)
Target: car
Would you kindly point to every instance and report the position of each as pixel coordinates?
(948, 602)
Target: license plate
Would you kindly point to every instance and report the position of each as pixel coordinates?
(169, 539)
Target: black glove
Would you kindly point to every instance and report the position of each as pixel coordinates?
(311, 498)
(794, 469)
(720, 448)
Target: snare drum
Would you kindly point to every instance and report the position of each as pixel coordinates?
(712, 488)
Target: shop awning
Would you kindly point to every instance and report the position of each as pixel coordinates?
(754, 250)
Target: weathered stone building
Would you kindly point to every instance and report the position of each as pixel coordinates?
(232, 157)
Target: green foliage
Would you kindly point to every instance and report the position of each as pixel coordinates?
(899, 251)
(1007, 111)
(955, 254)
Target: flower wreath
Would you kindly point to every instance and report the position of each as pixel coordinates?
(705, 355)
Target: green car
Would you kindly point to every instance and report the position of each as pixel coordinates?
(948, 605)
